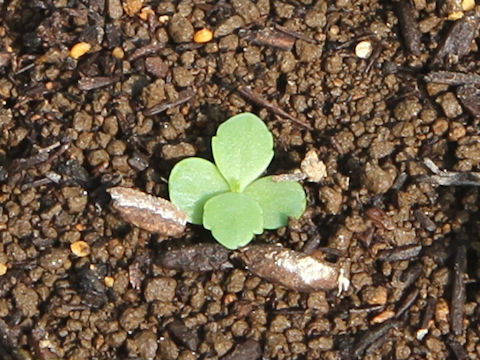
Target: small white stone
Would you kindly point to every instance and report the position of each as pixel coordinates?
(163, 19)
(313, 167)
(421, 334)
(364, 49)
(343, 282)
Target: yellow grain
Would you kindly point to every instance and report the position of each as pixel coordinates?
(80, 248)
(80, 49)
(203, 36)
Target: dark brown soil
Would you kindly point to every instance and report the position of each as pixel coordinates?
(79, 283)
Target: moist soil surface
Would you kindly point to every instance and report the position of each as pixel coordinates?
(103, 93)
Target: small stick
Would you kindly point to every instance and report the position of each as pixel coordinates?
(373, 335)
(408, 25)
(452, 78)
(145, 51)
(294, 34)
(427, 317)
(42, 156)
(457, 349)
(183, 97)
(458, 290)
(92, 83)
(411, 275)
(259, 100)
(407, 302)
(449, 178)
(271, 38)
(401, 253)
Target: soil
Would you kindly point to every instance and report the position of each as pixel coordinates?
(100, 93)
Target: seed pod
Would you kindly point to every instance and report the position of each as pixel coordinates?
(292, 269)
(148, 212)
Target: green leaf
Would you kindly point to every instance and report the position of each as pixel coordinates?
(233, 218)
(278, 200)
(242, 149)
(192, 182)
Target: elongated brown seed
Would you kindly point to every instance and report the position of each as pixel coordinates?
(292, 269)
(148, 212)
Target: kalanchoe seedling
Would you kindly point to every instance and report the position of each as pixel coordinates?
(227, 197)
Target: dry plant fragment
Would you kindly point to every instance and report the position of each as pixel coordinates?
(148, 212)
(292, 269)
(80, 49)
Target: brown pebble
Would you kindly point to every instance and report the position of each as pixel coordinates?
(333, 64)
(235, 281)
(442, 310)
(375, 295)
(115, 10)
(407, 109)
(183, 335)
(450, 105)
(146, 344)
(378, 180)
(332, 198)
(457, 131)
(160, 289)
(26, 300)
(182, 76)
(308, 52)
(156, 66)
(132, 7)
(318, 302)
(180, 29)
(229, 25)
(174, 151)
(132, 317)
(440, 126)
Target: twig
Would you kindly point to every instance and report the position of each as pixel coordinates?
(183, 97)
(452, 78)
(401, 253)
(259, 100)
(458, 290)
(449, 178)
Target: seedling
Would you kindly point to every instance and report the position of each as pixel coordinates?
(227, 197)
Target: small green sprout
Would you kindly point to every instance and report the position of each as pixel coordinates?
(227, 197)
